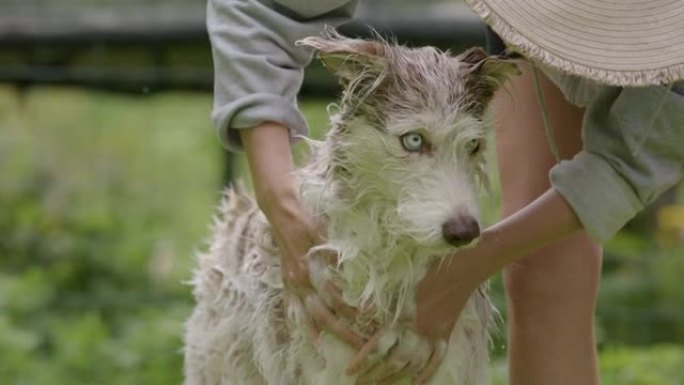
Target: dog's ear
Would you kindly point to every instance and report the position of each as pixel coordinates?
(480, 63)
(485, 74)
(347, 58)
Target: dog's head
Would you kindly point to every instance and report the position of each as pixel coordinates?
(409, 134)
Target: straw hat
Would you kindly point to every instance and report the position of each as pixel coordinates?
(617, 42)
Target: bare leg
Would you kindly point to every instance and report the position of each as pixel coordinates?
(551, 292)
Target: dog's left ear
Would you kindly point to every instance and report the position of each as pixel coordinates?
(347, 58)
(485, 74)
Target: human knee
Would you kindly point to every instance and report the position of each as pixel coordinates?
(565, 275)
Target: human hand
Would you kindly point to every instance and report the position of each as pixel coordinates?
(324, 306)
(392, 354)
(267, 147)
(295, 234)
(417, 349)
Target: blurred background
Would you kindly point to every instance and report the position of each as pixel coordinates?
(110, 171)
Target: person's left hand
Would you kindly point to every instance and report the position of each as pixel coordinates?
(328, 310)
(393, 354)
(418, 349)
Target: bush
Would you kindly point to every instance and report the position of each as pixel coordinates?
(102, 201)
(641, 292)
(655, 365)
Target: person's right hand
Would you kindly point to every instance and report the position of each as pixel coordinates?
(267, 146)
(296, 234)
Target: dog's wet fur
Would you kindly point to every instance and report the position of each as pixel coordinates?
(396, 182)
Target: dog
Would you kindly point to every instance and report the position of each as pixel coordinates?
(396, 182)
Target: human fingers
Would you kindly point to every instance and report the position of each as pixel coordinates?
(394, 363)
(433, 364)
(317, 309)
(295, 273)
(295, 239)
(376, 349)
(406, 372)
(312, 329)
(339, 306)
(410, 352)
(337, 302)
(358, 360)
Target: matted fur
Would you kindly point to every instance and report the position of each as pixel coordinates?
(384, 208)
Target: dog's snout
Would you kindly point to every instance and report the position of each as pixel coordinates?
(460, 230)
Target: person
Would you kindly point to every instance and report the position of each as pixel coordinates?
(615, 112)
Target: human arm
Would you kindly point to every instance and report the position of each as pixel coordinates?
(268, 153)
(607, 178)
(444, 291)
(446, 288)
(258, 72)
(270, 162)
(633, 151)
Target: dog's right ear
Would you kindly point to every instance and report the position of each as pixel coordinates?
(345, 57)
(494, 69)
(485, 74)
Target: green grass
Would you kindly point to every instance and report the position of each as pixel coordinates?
(654, 365)
(104, 200)
(143, 158)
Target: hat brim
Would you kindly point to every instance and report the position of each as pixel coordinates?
(615, 43)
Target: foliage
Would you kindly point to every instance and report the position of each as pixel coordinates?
(103, 200)
(641, 292)
(656, 365)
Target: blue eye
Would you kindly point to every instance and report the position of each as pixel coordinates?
(412, 142)
(472, 146)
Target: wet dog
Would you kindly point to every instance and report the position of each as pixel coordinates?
(396, 182)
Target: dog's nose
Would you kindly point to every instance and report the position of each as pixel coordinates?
(460, 230)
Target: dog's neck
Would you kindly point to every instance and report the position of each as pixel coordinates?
(376, 266)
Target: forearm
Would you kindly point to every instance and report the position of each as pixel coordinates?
(446, 287)
(267, 147)
(546, 219)
(606, 184)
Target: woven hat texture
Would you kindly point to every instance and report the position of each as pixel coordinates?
(616, 42)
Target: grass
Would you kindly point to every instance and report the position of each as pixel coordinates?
(138, 178)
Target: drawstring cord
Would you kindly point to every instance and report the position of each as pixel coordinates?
(495, 41)
(550, 136)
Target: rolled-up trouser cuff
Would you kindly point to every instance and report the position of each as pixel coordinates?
(252, 110)
(600, 197)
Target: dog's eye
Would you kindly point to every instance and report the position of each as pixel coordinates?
(472, 146)
(412, 142)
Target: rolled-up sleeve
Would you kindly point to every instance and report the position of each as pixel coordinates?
(633, 151)
(258, 70)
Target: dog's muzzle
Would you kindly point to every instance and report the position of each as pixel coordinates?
(460, 230)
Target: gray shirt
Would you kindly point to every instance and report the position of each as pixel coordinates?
(633, 137)
(258, 70)
(633, 150)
